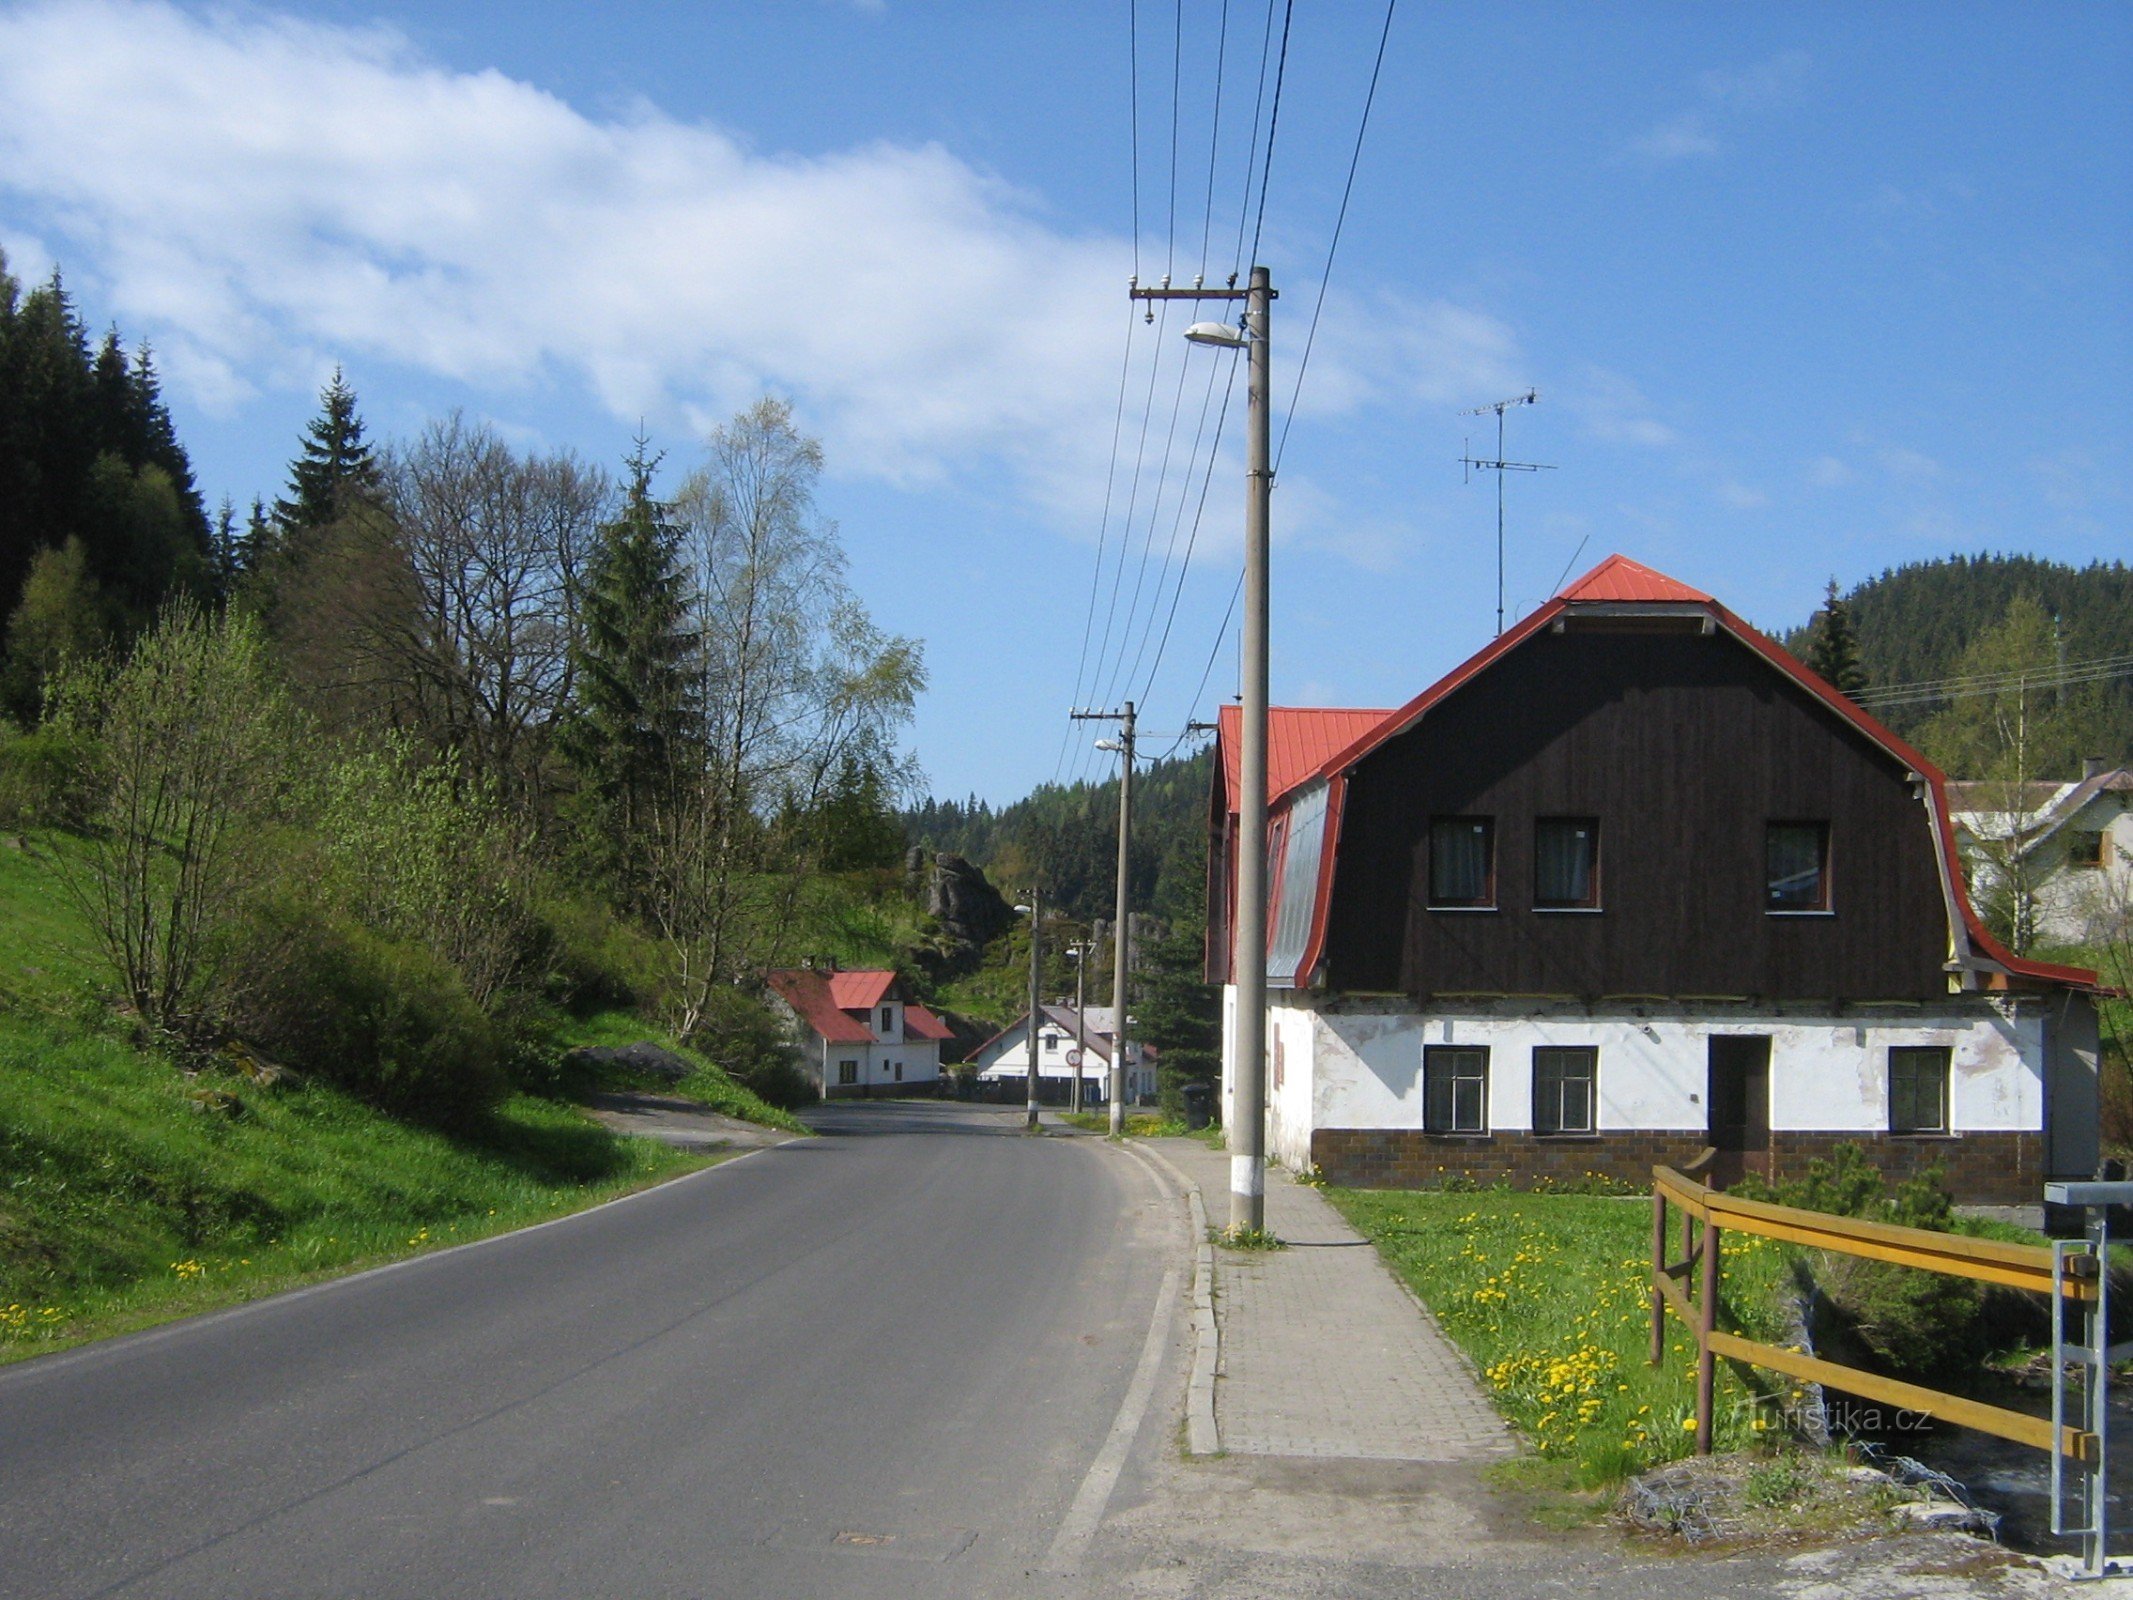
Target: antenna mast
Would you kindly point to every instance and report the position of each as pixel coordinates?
(1500, 466)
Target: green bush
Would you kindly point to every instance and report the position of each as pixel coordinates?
(387, 1021)
(754, 1046)
(45, 777)
(590, 958)
(1916, 1323)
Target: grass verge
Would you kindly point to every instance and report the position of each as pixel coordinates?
(707, 1084)
(1550, 1297)
(131, 1194)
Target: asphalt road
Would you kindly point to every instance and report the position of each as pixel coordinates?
(888, 1361)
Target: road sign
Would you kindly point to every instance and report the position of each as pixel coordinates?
(1074, 1057)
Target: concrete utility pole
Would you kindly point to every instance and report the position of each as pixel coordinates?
(1036, 993)
(1247, 1140)
(1122, 935)
(1080, 952)
(1121, 938)
(1247, 1067)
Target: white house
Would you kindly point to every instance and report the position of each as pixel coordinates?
(1631, 883)
(2073, 843)
(1004, 1058)
(857, 1032)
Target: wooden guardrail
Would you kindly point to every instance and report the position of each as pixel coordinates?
(2018, 1266)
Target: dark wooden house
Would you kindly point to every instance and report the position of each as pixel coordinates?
(1631, 882)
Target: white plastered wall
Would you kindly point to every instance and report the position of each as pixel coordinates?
(1827, 1073)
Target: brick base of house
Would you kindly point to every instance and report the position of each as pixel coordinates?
(1978, 1168)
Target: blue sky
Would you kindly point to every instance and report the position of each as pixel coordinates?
(1807, 291)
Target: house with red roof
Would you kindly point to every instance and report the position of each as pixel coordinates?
(859, 1033)
(1629, 884)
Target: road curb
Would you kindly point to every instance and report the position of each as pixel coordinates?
(1202, 1436)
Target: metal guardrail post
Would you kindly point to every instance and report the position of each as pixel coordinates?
(2093, 1356)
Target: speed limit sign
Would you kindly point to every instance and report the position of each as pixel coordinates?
(1074, 1057)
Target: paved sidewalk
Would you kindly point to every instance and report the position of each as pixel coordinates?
(1323, 1353)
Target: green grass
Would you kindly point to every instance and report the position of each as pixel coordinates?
(708, 1083)
(131, 1193)
(1550, 1296)
(125, 1200)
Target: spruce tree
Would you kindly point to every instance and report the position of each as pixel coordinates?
(1833, 650)
(634, 723)
(336, 464)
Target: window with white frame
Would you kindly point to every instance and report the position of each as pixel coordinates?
(1455, 1089)
(1565, 1088)
(847, 1072)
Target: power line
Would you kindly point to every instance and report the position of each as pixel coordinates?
(1103, 528)
(1251, 145)
(1177, 522)
(1177, 64)
(1221, 635)
(1273, 125)
(1178, 590)
(1214, 138)
(2100, 669)
(1155, 515)
(1133, 118)
(1339, 221)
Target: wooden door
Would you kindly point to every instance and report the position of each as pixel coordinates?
(1737, 1101)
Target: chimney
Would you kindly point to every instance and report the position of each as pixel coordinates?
(2091, 767)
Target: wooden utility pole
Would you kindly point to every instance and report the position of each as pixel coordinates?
(1247, 1062)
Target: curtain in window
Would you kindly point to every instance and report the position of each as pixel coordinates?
(1459, 860)
(1563, 859)
(1795, 855)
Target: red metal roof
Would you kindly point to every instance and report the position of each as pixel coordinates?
(919, 1023)
(1620, 579)
(860, 990)
(1298, 741)
(808, 992)
(839, 1005)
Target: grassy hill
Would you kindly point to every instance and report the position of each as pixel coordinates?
(132, 1192)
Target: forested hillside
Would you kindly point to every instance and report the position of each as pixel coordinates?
(1930, 621)
(1065, 837)
(448, 741)
(100, 519)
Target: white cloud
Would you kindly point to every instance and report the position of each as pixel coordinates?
(1740, 496)
(1678, 139)
(261, 194)
(1614, 410)
(1764, 86)
(1828, 472)
(1911, 465)
(1773, 82)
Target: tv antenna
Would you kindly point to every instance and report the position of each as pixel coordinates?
(1500, 466)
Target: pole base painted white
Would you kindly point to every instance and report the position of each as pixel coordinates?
(1247, 1175)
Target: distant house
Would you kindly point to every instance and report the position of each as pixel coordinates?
(858, 1033)
(1003, 1060)
(2070, 845)
(1629, 883)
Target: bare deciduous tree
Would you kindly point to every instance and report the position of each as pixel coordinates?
(795, 678)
